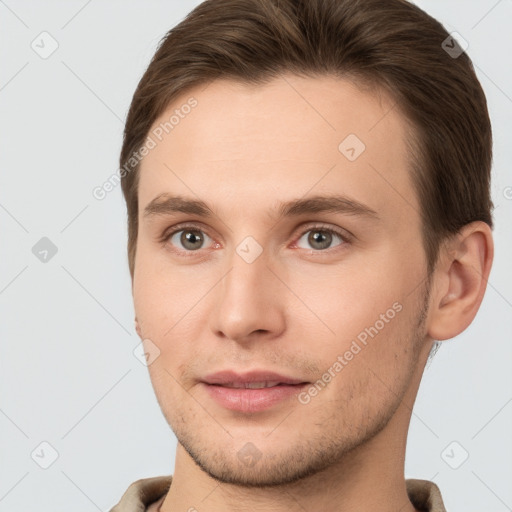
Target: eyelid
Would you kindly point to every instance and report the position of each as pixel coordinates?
(180, 227)
(344, 234)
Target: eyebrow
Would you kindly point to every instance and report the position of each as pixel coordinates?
(165, 204)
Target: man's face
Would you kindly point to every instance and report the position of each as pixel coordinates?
(332, 298)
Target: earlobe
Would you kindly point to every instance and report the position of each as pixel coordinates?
(461, 279)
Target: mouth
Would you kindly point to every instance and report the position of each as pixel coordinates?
(251, 392)
(253, 385)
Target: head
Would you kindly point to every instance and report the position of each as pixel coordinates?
(250, 114)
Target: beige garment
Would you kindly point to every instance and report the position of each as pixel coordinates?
(146, 495)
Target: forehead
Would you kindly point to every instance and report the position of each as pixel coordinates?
(252, 143)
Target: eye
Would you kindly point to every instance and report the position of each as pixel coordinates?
(320, 238)
(188, 239)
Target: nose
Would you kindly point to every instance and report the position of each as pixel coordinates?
(249, 301)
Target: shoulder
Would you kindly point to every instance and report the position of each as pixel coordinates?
(425, 495)
(142, 493)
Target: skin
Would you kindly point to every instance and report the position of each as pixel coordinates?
(297, 306)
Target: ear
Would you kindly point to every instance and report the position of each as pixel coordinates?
(137, 328)
(460, 280)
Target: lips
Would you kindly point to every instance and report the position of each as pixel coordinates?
(250, 392)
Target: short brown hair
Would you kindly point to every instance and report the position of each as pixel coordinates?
(389, 45)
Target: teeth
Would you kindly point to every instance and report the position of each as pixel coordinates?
(251, 385)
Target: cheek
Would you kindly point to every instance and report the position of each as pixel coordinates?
(168, 307)
(364, 313)
(345, 300)
(162, 295)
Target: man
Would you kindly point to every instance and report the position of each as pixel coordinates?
(307, 186)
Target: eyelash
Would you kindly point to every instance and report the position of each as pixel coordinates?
(318, 227)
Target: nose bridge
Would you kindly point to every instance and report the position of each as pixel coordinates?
(248, 277)
(247, 300)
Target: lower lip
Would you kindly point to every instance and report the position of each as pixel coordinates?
(252, 400)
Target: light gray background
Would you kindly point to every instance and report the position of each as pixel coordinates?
(68, 374)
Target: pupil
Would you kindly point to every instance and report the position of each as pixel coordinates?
(321, 237)
(189, 239)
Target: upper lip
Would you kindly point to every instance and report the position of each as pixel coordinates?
(231, 377)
